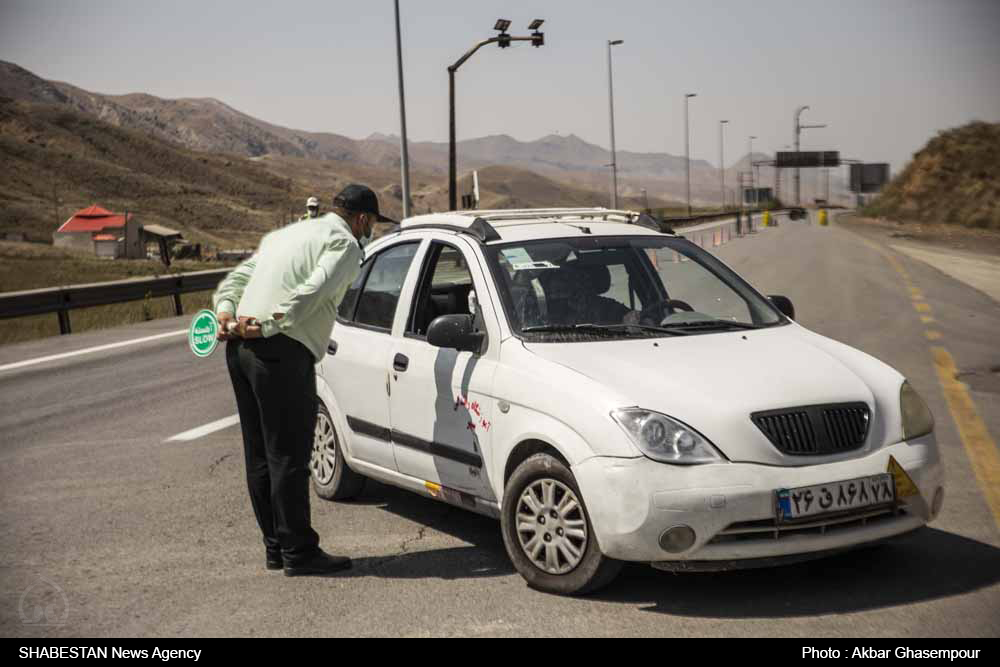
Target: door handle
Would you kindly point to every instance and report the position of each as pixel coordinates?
(400, 362)
(331, 348)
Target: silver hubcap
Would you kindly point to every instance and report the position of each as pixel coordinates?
(324, 452)
(551, 527)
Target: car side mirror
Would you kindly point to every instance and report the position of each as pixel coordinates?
(783, 304)
(456, 332)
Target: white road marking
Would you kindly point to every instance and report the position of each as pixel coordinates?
(88, 350)
(202, 431)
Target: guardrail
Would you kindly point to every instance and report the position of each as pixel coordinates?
(61, 300)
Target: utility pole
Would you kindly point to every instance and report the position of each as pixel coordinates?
(611, 120)
(687, 149)
(753, 187)
(722, 165)
(403, 150)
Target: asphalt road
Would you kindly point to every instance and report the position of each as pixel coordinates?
(110, 528)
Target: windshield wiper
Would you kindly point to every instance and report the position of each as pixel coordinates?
(712, 324)
(611, 328)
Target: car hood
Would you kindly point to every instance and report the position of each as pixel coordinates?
(713, 382)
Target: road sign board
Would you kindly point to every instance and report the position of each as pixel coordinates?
(807, 159)
(869, 177)
(203, 335)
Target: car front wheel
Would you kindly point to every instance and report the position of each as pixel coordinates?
(332, 478)
(547, 531)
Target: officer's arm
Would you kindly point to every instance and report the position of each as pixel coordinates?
(229, 292)
(337, 268)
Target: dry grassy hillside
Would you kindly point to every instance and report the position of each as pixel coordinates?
(954, 179)
(57, 161)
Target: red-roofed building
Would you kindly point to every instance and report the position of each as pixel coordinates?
(79, 231)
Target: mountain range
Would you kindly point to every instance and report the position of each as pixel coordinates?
(572, 169)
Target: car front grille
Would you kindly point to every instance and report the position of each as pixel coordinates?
(771, 529)
(815, 429)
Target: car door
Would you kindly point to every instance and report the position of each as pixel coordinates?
(358, 357)
(441, 402)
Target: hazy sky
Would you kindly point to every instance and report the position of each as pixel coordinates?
(884, 74)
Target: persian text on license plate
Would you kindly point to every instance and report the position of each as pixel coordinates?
(834, 497)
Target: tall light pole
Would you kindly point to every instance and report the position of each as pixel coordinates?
(798, 130)
(611, 120)
(753, 187)
(403, 150)
(687, 149)
(722, 164)
(502, 40)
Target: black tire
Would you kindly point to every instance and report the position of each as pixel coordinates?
(593, 571)
(331, 480)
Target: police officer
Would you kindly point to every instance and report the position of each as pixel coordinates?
(312, 209)
(277, 311)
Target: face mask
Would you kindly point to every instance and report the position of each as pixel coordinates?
(366, 239)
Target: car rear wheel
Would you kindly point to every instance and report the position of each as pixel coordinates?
(547, 531)
(332, 478)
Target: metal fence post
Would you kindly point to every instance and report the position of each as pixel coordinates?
(64, 327)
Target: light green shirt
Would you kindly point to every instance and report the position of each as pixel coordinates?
(301, 271)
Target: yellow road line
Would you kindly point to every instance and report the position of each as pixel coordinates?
(980, 447)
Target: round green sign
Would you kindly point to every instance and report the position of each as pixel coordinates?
(203, 334)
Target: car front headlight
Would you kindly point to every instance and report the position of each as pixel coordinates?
(664, 439)
(917, 417)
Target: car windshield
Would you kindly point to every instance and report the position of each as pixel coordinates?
(619, 287)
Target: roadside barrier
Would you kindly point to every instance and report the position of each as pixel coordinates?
(61, 300)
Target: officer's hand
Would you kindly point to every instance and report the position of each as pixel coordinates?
(224, 320)
(248, 327)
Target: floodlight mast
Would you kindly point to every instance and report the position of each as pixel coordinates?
(503, 40)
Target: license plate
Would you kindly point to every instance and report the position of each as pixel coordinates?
(806, 501)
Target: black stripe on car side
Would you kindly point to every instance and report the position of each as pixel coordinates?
(369, 429)
(437, 449)
(411, 441)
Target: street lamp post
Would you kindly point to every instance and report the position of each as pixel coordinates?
(611, 120)
(753, 186)
(503, 40)
(722, 164)
(403, 150)
(798, 130)
(687, 149)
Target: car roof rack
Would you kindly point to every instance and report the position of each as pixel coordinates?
(477, 227)
(477, 223)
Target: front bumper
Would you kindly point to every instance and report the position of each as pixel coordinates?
(730, 506)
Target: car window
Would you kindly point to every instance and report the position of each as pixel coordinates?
(348, 304)
(384, 281)
(695, 285)
(444, 289)
(581, 288)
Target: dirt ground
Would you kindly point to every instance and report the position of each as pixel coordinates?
(981, 241)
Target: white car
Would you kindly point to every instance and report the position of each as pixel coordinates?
(612, 393)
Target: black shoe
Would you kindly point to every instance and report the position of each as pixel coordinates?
(274, 561)
(320, 564)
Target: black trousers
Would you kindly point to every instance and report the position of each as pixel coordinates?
(275, 383)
